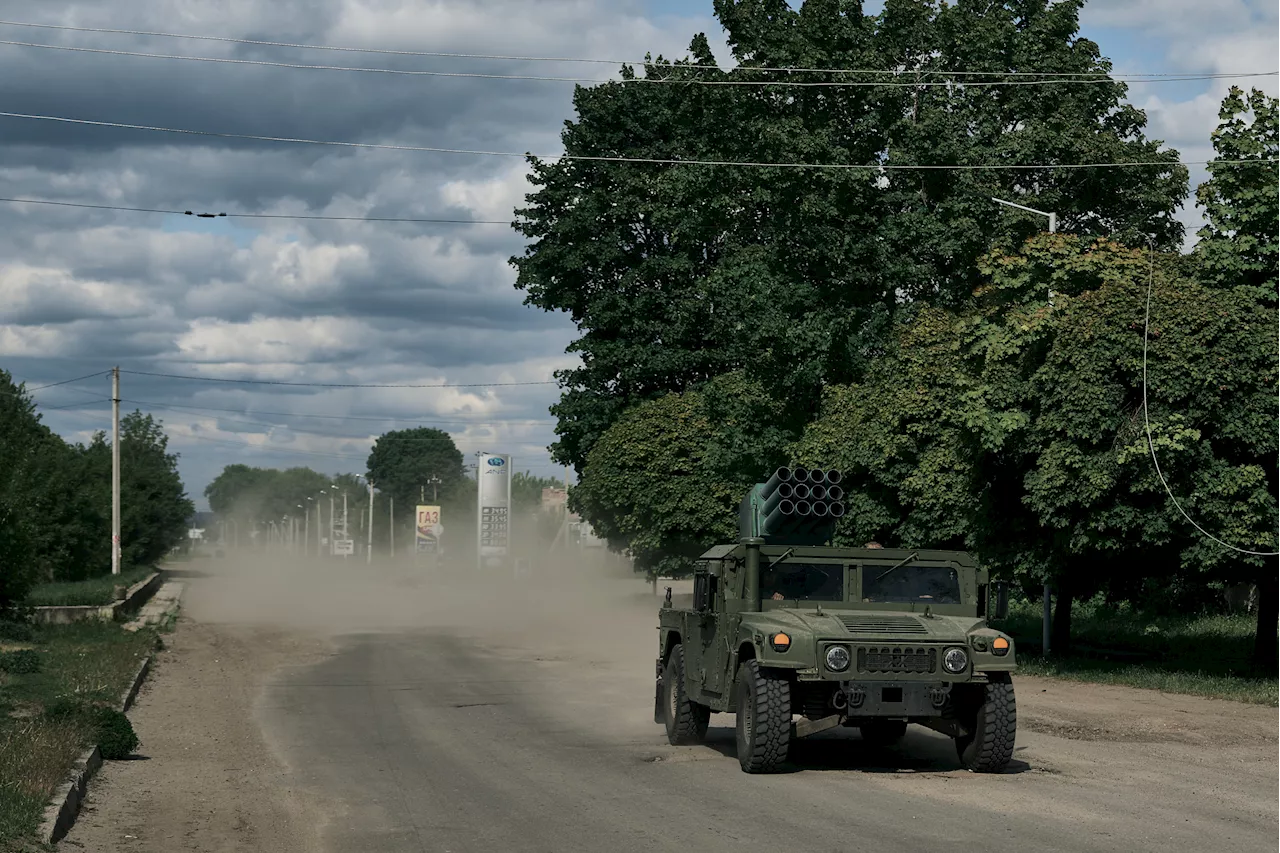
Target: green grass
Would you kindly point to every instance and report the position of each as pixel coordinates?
(97, 591)
(86, 661)
(1205, 655)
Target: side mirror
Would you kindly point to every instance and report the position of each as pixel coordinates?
(1001, 608)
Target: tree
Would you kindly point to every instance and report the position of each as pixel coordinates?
(675, 274)
(403, 462)
(1238, 245)
(1014, 428)
(526, 491)
(154, 507)
(19, 432)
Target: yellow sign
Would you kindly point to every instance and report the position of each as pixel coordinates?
(428, 529)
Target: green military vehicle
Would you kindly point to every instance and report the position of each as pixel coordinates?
(784, 628)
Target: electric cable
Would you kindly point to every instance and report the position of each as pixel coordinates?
(1146, 420)
(879, 167)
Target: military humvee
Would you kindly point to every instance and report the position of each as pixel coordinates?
(783, 626)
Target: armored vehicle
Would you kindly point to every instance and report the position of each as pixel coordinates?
(795, 637)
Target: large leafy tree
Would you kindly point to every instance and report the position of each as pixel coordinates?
(20, 430)
(1014, 427)
(677, 273)
(403, 462)
(1238, 245)
(154, 508)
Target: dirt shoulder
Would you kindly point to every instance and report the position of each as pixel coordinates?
(205, 778)
(1084, 711)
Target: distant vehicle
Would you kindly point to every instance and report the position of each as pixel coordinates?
(873, 638)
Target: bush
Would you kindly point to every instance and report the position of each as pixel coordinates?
(116, 737)
(16, 631)
(21, 662)
(111, 729)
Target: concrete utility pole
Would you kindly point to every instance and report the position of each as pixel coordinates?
(435, 482)
(368, 555)
(1046, 616)
(332, 548)
(346, 533)
(306, 531)
(115, 470)
(391, 525)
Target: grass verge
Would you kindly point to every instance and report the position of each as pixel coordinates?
(97, 591)
(83, 662)
(1207, 655)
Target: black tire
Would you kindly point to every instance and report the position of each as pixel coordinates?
(883, 732)
(763, 705)
(686, 720)
(994, 726)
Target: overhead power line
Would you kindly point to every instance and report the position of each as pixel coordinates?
(513, 58)
(333, 384)
(372, 418)
(659, 161)
(965, 81)
(176, 212)
(68, 381)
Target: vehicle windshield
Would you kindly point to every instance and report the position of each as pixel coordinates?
(933, 584)
(803, 581)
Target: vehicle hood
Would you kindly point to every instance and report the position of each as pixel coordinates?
(880, 625)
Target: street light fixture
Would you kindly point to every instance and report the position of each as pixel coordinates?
(1053, 217)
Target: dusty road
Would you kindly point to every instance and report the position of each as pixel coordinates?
(354, 708)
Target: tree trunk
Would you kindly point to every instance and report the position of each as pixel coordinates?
(1264, 641)
(1060, 634)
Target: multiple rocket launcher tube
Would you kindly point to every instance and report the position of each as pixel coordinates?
(801, 499)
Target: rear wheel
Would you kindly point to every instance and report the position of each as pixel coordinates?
(883, 732)
(992, 720)
(764, 718)
(685, 719)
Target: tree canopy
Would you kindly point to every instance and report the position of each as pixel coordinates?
(403, 462)
(675, 274)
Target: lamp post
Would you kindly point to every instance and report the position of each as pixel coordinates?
(368, 554)
(1046, 616)
(332, 488)
(306, 517)
(306, 530)
(434, 481)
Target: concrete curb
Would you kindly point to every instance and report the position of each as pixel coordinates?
(137, 595)
(60, 815)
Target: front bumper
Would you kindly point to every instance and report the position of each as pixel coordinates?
(895, 698)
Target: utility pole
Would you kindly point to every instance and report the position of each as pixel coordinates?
(306, 531)
(332, 550)
(435, 482)
(115, 470)
(346, 533)
(391, 525)
(368, 555)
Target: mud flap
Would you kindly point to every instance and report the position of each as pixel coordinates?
(657, 704)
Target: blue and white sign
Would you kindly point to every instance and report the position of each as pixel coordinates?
(494, 498)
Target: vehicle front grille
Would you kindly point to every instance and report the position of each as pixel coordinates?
(897, 659)
(883, 625)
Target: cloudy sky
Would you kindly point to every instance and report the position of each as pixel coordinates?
(357, 302)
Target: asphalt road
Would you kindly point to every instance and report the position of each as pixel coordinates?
(425, 714)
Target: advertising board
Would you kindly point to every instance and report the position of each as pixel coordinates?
(493, 478)
(427, 530)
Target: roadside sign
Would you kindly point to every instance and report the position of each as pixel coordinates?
(427, 529)
(344, 547)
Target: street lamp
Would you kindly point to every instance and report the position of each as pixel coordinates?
(434, 481)
(1053, 217)
(1048, 596)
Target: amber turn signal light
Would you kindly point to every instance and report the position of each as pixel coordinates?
(780, 642)
(1000, 646)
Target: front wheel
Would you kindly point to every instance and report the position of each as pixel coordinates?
(685, 719)
(992, 721)
(764, 718)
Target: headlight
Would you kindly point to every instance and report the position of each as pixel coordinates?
(837, 658)
(955, 661)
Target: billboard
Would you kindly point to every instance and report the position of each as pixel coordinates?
(493, 489)
(427, 530)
